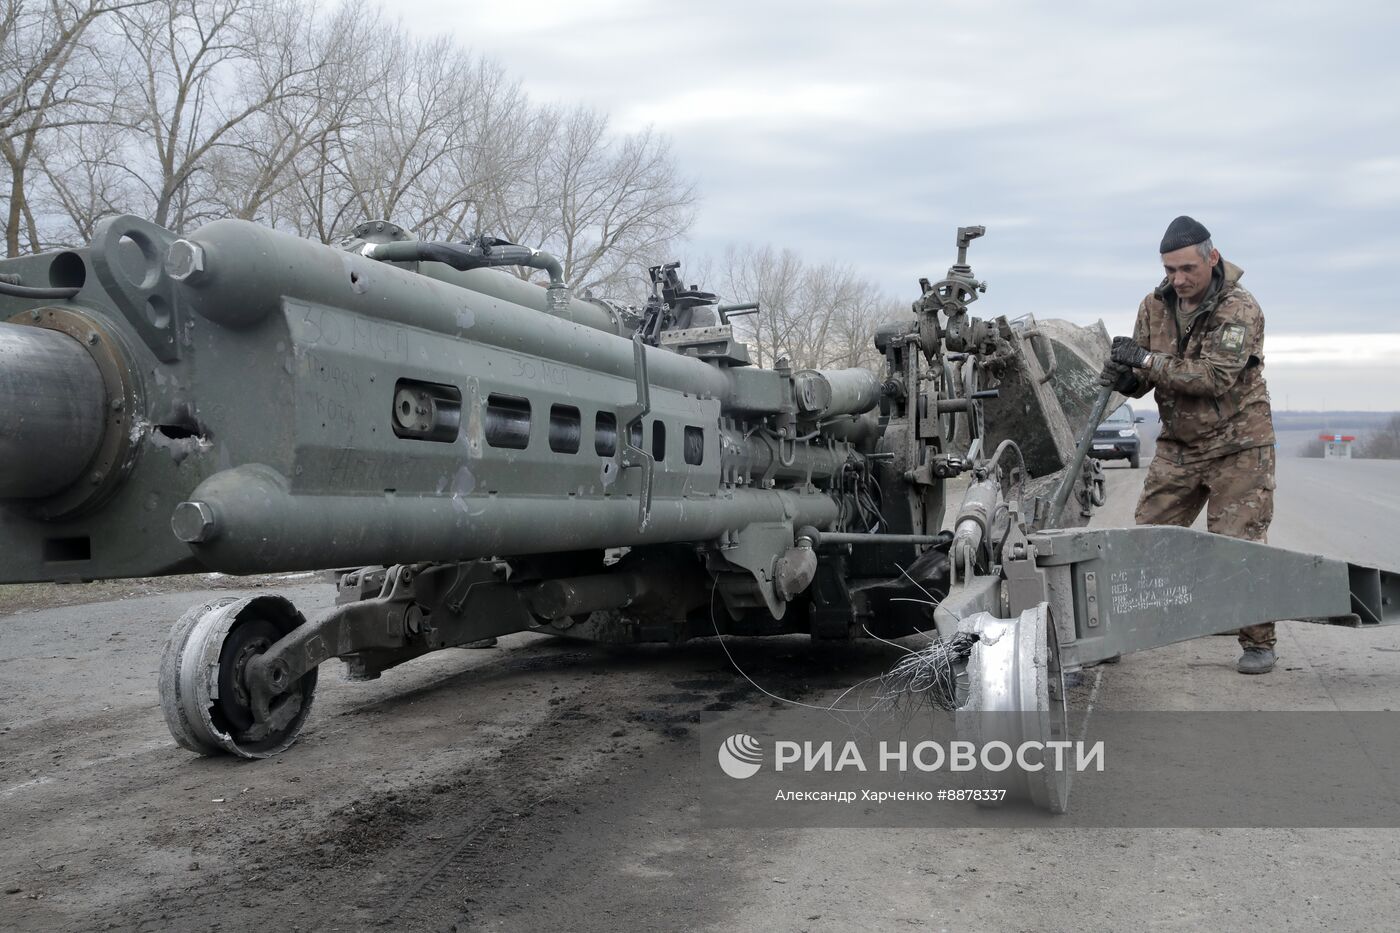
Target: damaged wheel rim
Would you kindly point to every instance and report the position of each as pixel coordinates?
(1016, 696)
(203, 686)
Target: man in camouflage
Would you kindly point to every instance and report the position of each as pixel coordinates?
(1198, 343)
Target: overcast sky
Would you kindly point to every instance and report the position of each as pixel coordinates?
(1075, 131)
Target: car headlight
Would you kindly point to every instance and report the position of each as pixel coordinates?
(1126, 433)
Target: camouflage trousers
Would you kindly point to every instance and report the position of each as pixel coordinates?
(1237, 491)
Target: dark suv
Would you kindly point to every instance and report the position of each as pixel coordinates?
(1117, 438)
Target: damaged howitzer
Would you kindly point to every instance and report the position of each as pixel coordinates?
(491, 457)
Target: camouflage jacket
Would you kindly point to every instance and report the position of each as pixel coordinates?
(1209, 381)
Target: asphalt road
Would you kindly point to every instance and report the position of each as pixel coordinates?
(537, 785)
(1342, 508)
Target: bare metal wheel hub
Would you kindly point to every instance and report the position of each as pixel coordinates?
(1016, 696)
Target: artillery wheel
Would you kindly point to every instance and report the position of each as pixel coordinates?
(202, 690)
(1016, 694)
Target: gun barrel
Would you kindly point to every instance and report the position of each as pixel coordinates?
(52, 411)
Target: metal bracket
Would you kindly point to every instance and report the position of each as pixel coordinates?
(1030, 330)
(128, 255)
(1091, 598)
(756, 548)
(834, 611)
(766, 480)
(1025, 582)
(631, 456)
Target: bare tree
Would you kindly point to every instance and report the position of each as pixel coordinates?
(497, 152)
(261, 154)
(812, 315)
(47, 83)
(394, 164)
(203, 76)
(1383, 443)
(772, 279)
(852, 340)
(517, 204)
(277, 111)
(85, 180)
(397, 150)
(604, 205)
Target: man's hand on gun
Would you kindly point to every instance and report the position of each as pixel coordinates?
(1118, 372)
(1127, 353)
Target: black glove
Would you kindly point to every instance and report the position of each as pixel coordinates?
(1119, 377)
(1127, 352)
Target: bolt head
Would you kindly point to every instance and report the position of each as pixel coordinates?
(184, 261)
(193, 522)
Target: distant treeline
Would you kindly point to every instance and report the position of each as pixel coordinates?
(1381, 442)
(1327, 420)
(312, 117)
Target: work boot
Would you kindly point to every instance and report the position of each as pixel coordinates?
(1256, 660)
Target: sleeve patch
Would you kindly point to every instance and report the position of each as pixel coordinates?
(1232, 337)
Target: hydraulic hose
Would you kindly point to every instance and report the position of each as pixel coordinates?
(15, 290)
(484, 252)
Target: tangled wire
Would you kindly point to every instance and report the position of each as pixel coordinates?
(929, 675)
